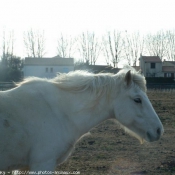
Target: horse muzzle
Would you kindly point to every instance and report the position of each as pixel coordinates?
(154, 135)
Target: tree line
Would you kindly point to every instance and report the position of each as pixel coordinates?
(114, 46)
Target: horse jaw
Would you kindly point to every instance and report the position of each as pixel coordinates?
(131, 133)
(142, 140)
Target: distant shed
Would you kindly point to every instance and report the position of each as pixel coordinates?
(47, 67)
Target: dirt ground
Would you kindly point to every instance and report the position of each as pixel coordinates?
(109, 150)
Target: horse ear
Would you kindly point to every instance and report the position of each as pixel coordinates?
(128, 78)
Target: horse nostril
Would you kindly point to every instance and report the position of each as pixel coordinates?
(153, 136)
(159, 131)
(149, 136)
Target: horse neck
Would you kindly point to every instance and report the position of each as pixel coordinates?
(88, 116)
(85, 111)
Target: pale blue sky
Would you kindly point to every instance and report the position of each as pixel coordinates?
(75, 16)
(78, 15)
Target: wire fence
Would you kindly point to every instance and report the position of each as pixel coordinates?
(161, 86)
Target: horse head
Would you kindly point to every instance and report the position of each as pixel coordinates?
(134, 111)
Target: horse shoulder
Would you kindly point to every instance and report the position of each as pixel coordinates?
(14, 146)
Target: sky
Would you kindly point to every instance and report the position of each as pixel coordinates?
(73, 17)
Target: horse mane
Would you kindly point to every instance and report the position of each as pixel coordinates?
(84, 81)
(102, 83)
(98, 84)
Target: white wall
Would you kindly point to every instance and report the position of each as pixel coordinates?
(148, 71)
(40, 71)
(157, 70)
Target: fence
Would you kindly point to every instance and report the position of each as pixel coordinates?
(161, 85)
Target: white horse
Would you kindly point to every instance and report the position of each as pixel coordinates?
(41, 120)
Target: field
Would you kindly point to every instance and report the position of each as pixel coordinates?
(109, 150)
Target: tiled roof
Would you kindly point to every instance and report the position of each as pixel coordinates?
(155, 59)
(55, 61)
(168, 68)
(172, 62)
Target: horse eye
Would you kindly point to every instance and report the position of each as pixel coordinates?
(137, 100)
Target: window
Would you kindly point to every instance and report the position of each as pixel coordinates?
(51, 69)
(168, 75)
(153, 65)
(46, 69)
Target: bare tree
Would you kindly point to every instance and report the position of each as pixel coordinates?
(34, 43)
(106, 52)
(7, 47)
(8, 42)
(11, 65)
(95, 48)
(113, 46)
(157, 44)
(126, 52)
(134, 45)
(41, 44)
(84, 47)
(170, 51)
(30, 42)
(89, 47)
(66, 45)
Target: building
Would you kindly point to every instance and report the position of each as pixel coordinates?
(152, 66)
(168, 68)
(47, 67)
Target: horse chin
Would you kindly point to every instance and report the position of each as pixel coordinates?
(130, 132)
(142, 140)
